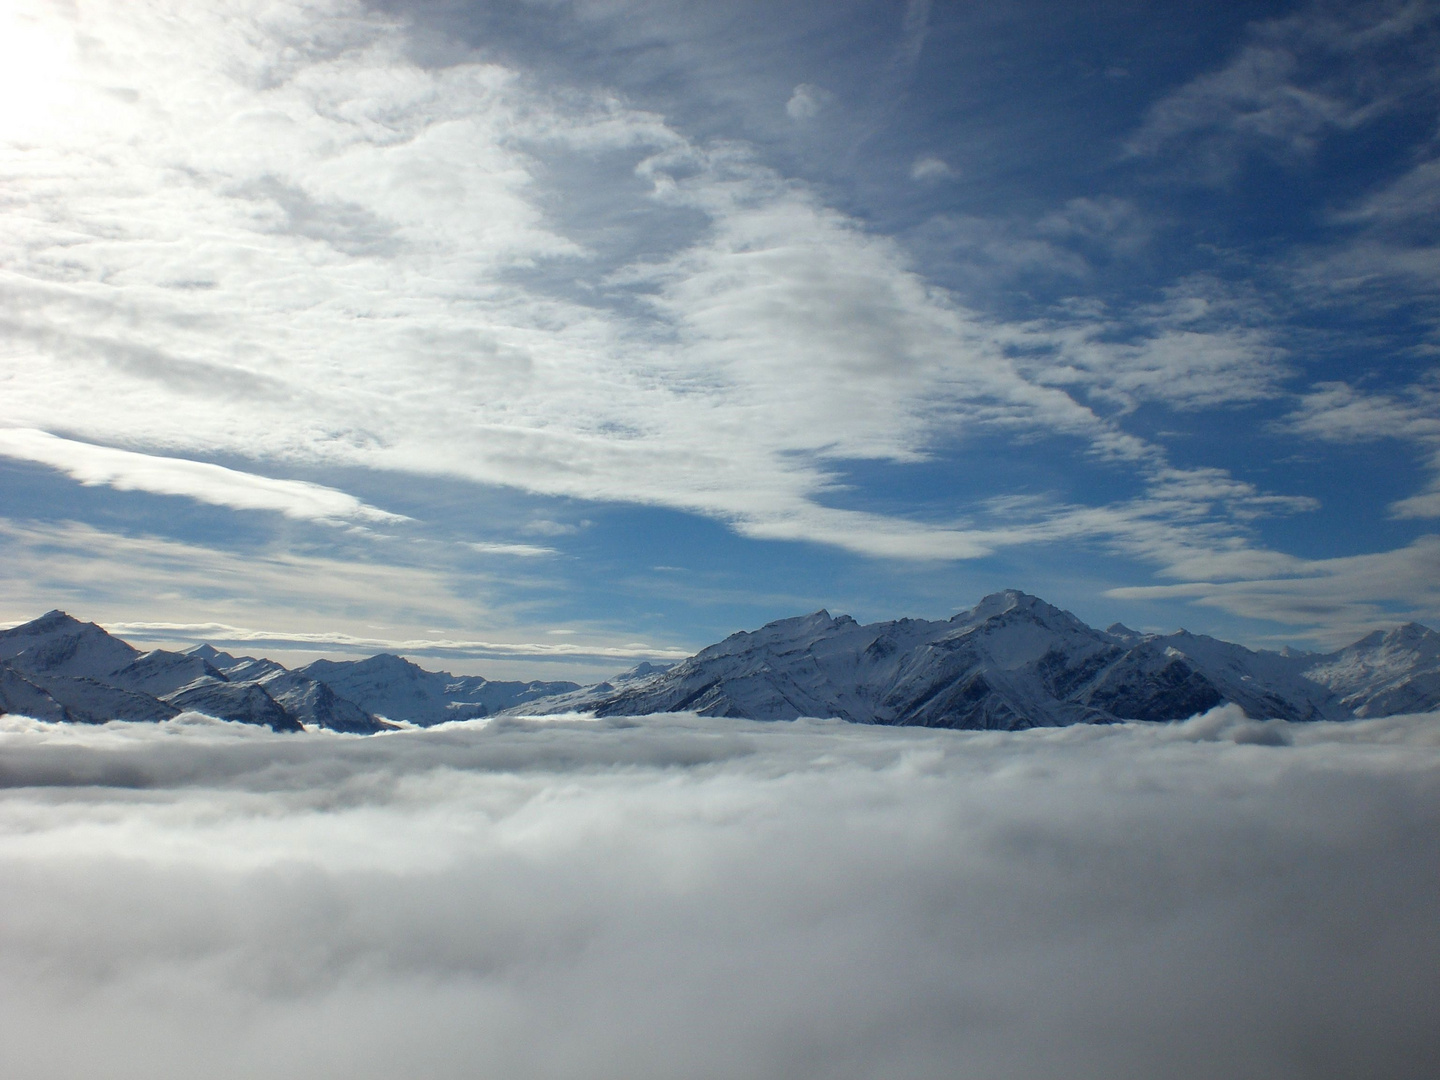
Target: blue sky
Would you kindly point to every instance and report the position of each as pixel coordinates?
(538, 337)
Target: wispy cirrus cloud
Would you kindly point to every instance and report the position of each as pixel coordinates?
(128, 470)
(381, 287)
(1327, 68)
(1340, 599)
(317, 249)
(222, 634)
(1337, 412)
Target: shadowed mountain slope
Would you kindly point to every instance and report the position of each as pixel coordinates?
(1014, 661)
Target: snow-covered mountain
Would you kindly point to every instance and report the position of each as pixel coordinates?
(393, 687)
(56, 644)
(58, 668)
(1014, 661)
(1384, 673)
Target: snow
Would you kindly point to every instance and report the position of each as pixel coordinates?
(1013, 661)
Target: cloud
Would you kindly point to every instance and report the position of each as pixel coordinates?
(1344, 597)
(126, 470)
(653, 898)
(1383, 256)
(1330, 67)
(1202, 345)
(806, 102)
(1114, 224)
(414, 602)
(1337, 412)
(930, 168)
(914, 28)
(113, 575)
(289, 243)
(380, 282)
(523, 551)
(222, 634)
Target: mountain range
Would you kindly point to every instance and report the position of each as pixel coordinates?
(59, 668)
(1011, 662)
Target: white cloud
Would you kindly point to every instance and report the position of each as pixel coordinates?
(523, 551)
(1328, 67)
(222, 634)
(913, 30)
(299, 601)
(1344, 597)
(1337, 412)
(1199, 347)
(616, 899)
(126, 470)
(288, 243)
(930, 168)
(1117, 224)
(807, 101)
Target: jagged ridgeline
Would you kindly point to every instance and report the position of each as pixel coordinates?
(58, 668)
(1011, 662)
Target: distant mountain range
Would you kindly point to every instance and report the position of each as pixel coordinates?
(58, 668)
(1011, 662)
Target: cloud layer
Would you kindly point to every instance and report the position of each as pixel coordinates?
(304, 248)
(720, 899)
(126, 470)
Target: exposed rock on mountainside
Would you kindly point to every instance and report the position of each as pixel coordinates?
(244, 702)
(1013, 661)
(57, 667)
(19, 695)
(1385, 673)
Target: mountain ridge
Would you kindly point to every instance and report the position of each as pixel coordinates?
(1015, 661)
(1012, 661)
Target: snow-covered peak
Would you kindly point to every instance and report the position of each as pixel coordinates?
(1385, 672)
(1005, 600)
(160, 672)
(214, 656)
(57, 643)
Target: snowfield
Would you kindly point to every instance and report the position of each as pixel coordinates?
(681, 896)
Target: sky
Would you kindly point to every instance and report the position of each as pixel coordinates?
(676, 896)
(537, 337)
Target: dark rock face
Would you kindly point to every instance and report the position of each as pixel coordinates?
(1137, 688)
(313, 702)
(242, 702)
(89, 701)
(1011, 662)
(20, 696)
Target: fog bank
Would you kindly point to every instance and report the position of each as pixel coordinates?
(683, 897)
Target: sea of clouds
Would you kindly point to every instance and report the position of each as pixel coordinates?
(685, 897)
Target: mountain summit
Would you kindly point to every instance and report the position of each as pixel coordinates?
(1014, 661)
